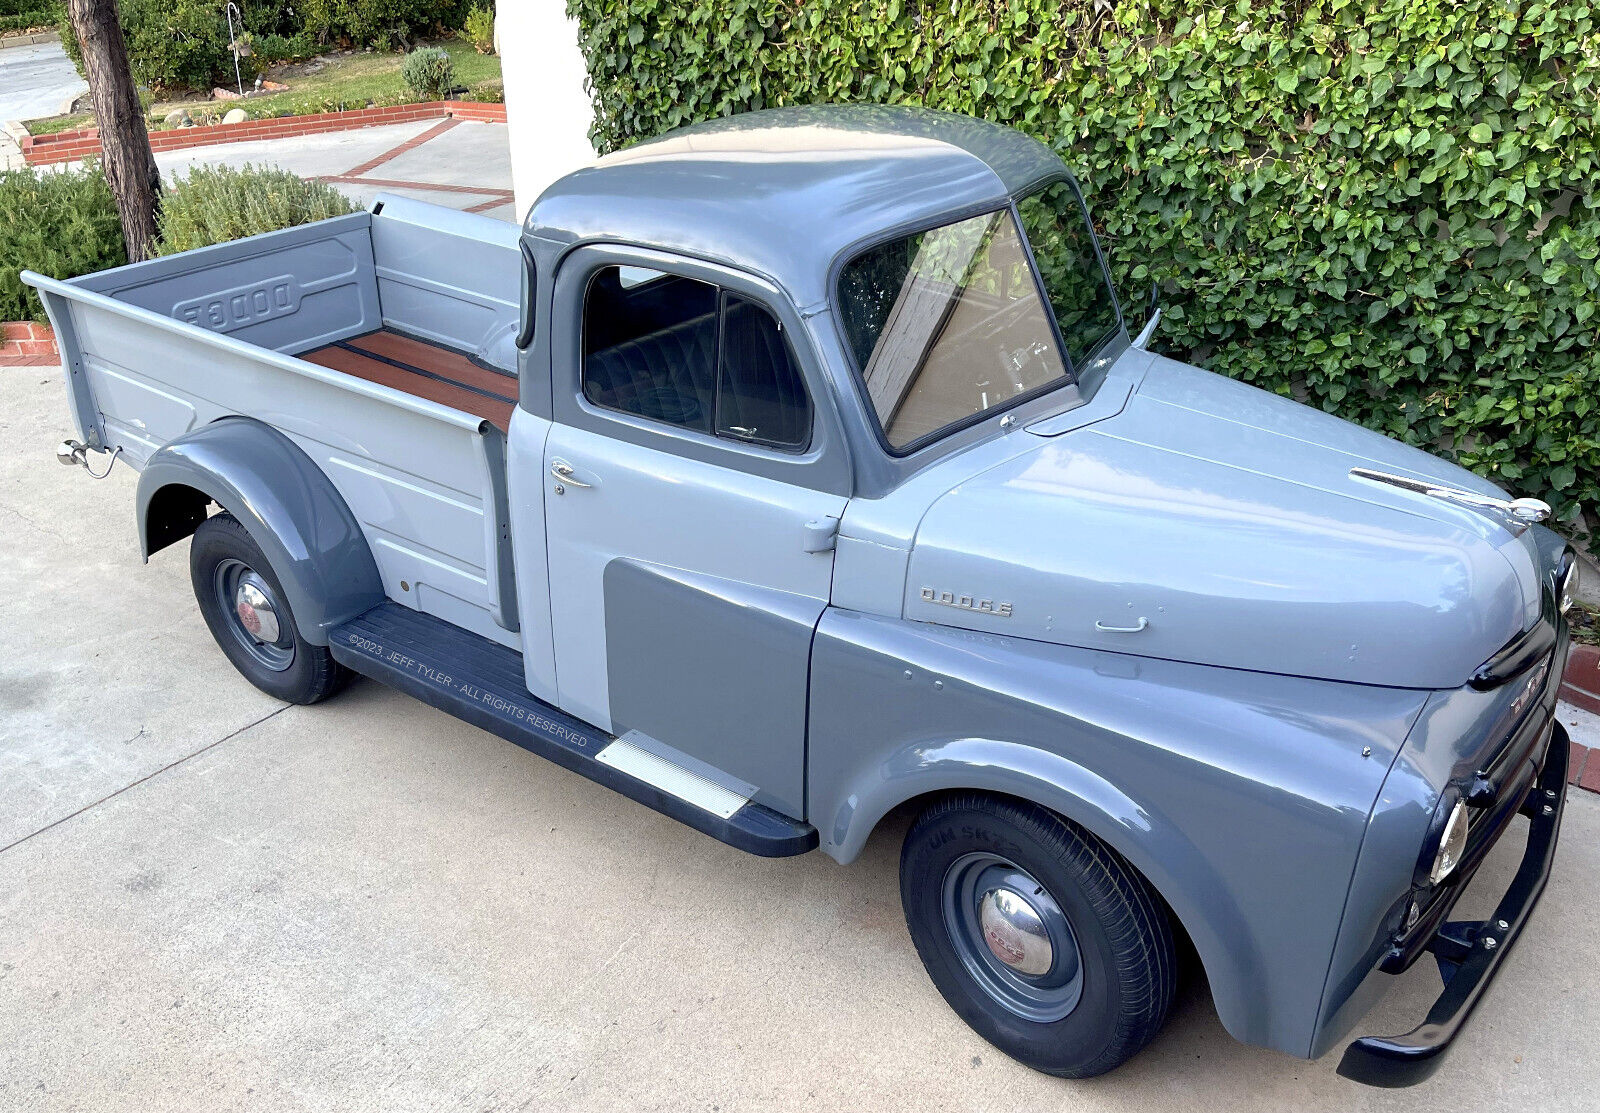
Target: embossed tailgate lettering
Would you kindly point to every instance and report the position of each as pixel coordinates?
(227, 310)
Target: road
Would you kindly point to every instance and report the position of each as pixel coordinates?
(37, 80)
(210, 901)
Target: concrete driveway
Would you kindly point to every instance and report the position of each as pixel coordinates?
(38, 80)
(211, 901)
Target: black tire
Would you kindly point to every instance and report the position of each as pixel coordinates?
(287, 667)
(1115, 997)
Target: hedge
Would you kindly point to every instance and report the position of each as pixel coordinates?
(183, 44)
(60, 223)
(387, 24)
(1386, 208)
(25, 15)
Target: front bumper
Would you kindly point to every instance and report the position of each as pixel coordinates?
(1475, 950)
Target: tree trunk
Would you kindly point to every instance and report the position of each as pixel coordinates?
(130, 166)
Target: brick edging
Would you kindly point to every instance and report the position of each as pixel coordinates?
(82, 143)
(1581, 684)
(26, 344)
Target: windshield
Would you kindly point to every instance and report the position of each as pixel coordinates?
(1057, 227)
(948, 323)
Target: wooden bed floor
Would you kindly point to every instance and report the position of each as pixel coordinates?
(425, 370)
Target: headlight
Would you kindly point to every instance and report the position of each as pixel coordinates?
(1452, 844)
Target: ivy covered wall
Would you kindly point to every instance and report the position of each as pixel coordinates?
(1387, 208)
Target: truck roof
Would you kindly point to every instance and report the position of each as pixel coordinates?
(783, 192)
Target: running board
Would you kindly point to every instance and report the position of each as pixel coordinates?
(481, 682)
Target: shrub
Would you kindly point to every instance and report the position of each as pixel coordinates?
(25, 15)
(1388, 208)
(269, 50)
(479, 29)
(428, 72)
(213, 204)
(62, 224)
(183, 44)
(366, 22)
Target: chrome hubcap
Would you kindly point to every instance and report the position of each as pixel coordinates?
(1012, 937)
(253, 614)
(1015, 932)
(256, 613)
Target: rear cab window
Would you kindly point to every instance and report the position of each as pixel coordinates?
(953, 322)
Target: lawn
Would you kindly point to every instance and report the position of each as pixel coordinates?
(327, 83)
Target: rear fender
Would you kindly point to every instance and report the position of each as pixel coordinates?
(288, 506)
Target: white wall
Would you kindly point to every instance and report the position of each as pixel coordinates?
(547, 110)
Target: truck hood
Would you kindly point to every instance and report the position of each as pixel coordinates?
(1213, 522)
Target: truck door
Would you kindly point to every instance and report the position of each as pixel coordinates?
(694, 475)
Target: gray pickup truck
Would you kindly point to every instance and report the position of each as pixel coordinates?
(801, 466)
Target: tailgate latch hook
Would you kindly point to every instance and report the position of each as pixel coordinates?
(74, 452)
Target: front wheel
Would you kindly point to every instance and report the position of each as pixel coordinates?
(244, 604)
(1037, 934)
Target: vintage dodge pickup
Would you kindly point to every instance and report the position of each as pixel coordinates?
(799, 467)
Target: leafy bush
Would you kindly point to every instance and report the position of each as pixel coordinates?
(213, 204)
(24, 15)
(269, 50)
(489, 92)
(479, 29)
(1387, 208)
(60, 224)
(429, 72)
(183, 44)
(369, 22)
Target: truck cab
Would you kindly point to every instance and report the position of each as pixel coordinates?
(798, 467)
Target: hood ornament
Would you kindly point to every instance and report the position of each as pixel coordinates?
(1515, 515)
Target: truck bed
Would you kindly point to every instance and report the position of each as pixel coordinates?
(381, 343)
(424, 369)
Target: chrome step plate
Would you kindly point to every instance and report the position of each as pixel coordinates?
(655, 770)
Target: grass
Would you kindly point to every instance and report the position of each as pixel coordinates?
(329, 83)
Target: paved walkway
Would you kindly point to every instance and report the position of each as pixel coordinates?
(463, 164)
(210, 900)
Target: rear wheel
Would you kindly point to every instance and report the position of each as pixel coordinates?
(244, 604)
(1038, 935)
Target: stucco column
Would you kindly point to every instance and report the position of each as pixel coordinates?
(547, 110)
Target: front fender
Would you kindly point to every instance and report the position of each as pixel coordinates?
(290, 508)
(1242, 797)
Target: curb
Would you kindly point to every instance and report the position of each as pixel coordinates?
(82, 143)
(29, 38)
(26, 344)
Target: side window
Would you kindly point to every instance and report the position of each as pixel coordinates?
(690, 354)
(762, 396)
(650, 346)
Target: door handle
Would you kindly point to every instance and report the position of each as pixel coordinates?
(1134, 629)
(563, 473)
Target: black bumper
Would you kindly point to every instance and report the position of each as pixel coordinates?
(1411, 1058)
